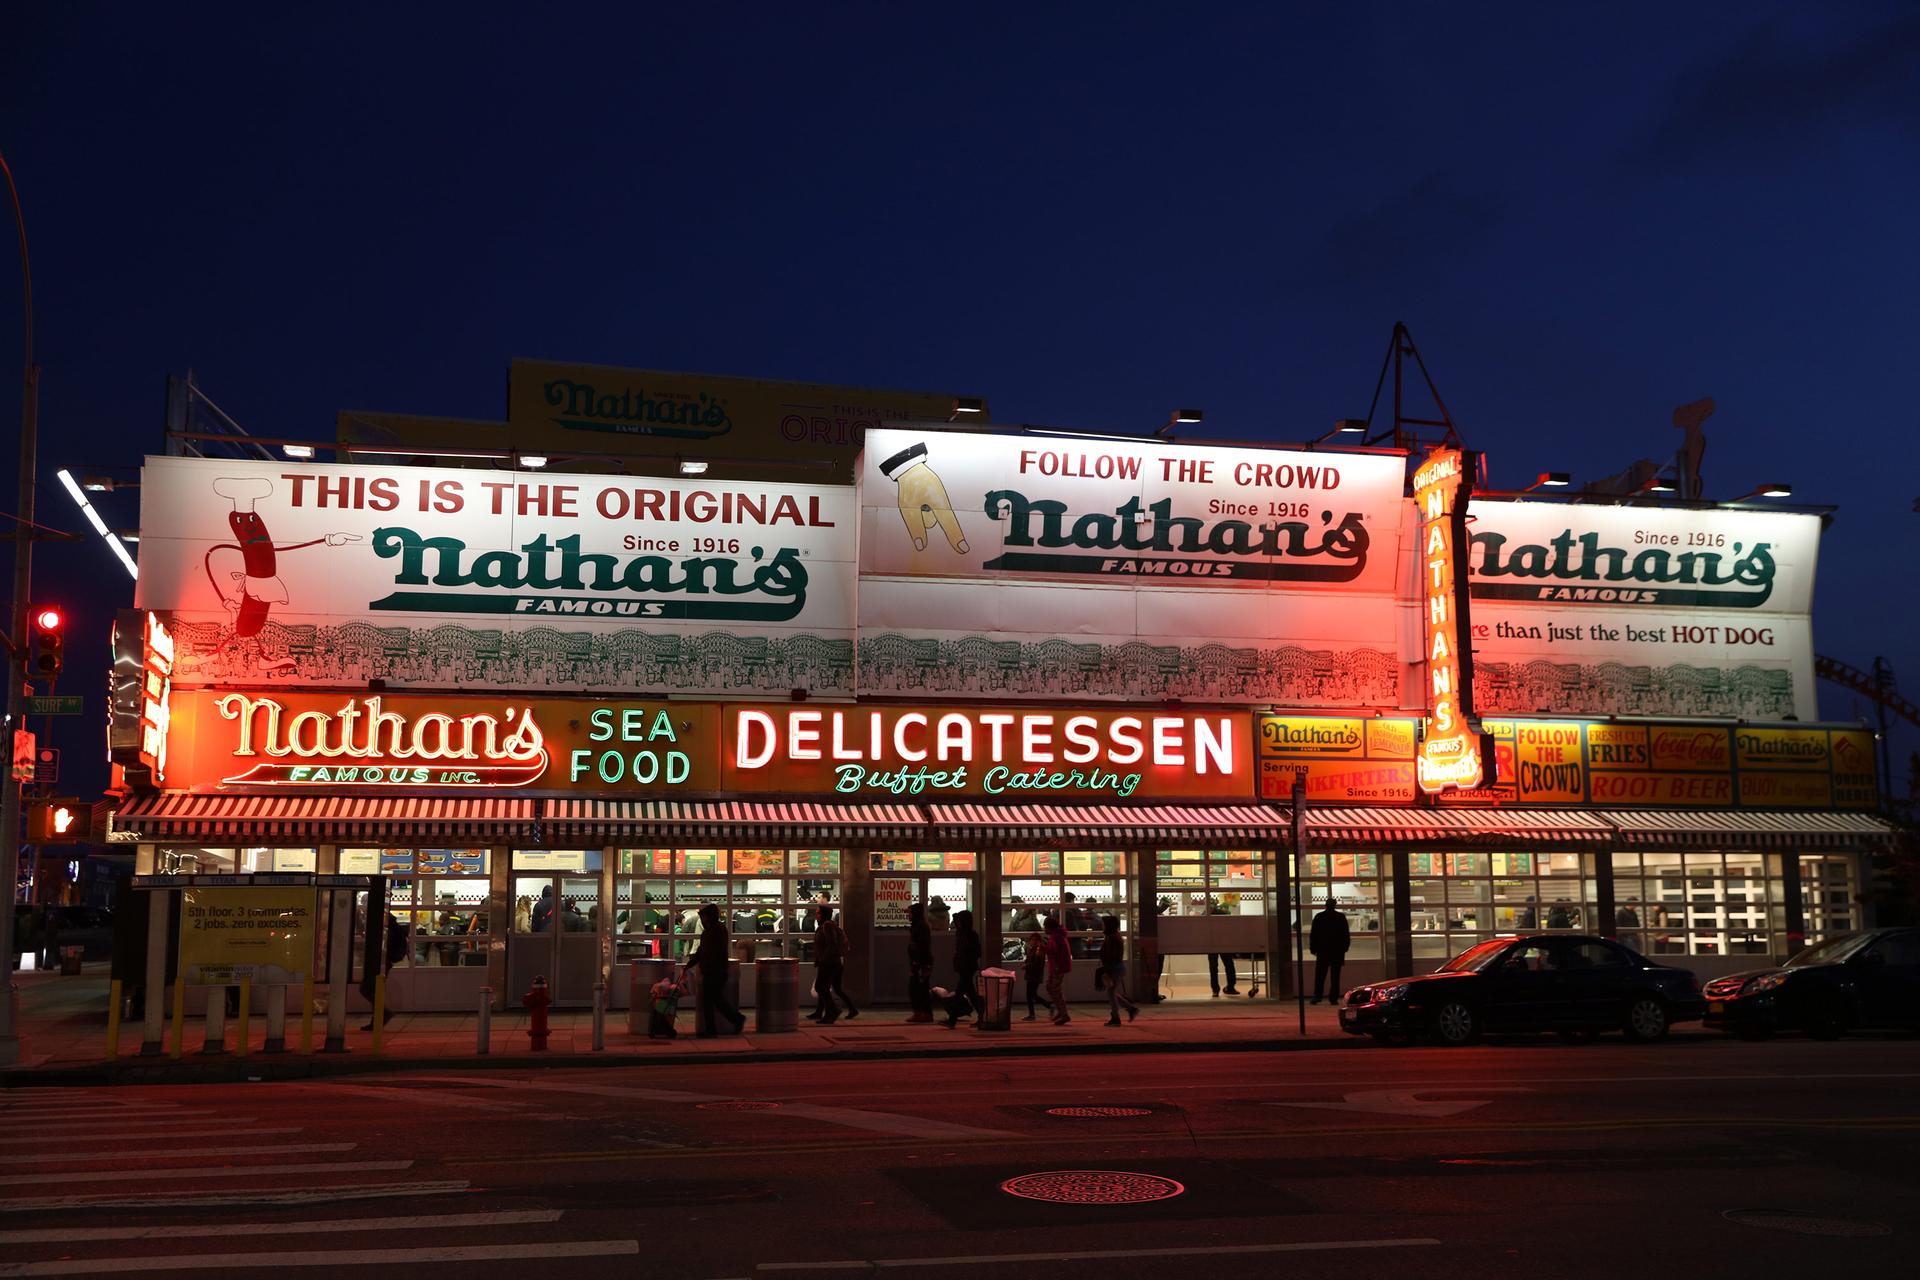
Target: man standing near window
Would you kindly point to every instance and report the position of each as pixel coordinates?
(1328, 941)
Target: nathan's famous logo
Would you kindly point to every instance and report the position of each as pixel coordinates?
(1570, 569)
(361, 743)
(506, 578)
(631, 411)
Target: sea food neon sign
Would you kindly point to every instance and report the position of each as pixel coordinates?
(1450, 751)
(1014, 752)
(360, 743)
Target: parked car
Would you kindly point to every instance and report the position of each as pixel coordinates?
(1574, 984)
(36, 930)
(1857, 980)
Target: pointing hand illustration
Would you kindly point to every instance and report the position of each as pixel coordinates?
(923, 498)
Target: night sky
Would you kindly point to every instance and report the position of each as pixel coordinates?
(1089, 213)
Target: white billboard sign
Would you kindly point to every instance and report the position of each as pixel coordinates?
(337, 575)
(1642, 611)
(1046, 566)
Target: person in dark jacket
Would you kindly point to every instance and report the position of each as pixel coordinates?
(919, 963)
(1113, 967)
(966, 965)
(830, 969)
(1328, 940)
(711, 957)
(1036, 973)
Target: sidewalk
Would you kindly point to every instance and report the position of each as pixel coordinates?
(64, 1039)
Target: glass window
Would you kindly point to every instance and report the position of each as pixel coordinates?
(441, 895)
(768, 896)
(173, 861)
(1077, 887)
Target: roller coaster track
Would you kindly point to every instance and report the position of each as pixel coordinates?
(1864, 684)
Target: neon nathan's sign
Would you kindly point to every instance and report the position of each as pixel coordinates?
(360, 743)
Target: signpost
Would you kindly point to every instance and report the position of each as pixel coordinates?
(62, 704)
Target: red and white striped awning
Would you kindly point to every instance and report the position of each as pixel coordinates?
(735, 822)
(308, 820)
(1503, 827)
(1747, 829)
(1048, 825)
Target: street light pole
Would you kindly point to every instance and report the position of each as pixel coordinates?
(17, 641)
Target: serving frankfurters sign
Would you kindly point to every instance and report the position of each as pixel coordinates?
(306, 574)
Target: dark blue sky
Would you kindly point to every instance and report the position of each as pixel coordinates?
(1089, 213)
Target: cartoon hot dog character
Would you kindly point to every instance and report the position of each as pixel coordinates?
(256, 585)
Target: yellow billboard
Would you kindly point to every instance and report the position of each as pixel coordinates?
(795, 429)
(264, 934)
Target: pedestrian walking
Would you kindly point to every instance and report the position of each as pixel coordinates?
(1059, 949)
(966, 964)
(830, 969)
(1036, 974)
(919, 963)
(1113, 968)
(711, 957)
(396, 947)
(1328, 940)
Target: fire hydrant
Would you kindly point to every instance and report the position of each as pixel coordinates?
(536, 1002)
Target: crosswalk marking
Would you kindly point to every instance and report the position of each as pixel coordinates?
(437, 1254)
(326, 1226)
(431, 1097)
(230, 1171)
(223, 1199)
(71, 1139)
(95, 1118)
(174, 1153)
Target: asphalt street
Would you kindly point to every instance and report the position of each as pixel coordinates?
(1529, 1158)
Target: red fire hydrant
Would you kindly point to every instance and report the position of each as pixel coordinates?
(536, 1002)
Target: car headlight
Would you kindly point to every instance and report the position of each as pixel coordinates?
(1766, 982)
(1384, 995)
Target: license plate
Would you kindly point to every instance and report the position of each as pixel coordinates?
(1346, 1015)
(1716, 1006)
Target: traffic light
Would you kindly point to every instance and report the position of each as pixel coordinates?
(67, 820)
(49, 638)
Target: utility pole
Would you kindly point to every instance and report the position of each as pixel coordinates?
(17, 642)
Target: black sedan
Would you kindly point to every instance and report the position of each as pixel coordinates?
(1576, 985)
(1857, 980)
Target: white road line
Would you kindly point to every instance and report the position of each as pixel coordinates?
(174, 1153)
(228, 1199)
(10, 1117)
(69, 1139)
(326, 1226)
(229, 1171)
(438, 1254)
(431, 1097)
(84, 1118)
(1096, 1255)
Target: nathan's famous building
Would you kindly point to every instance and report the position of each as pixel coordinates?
(659, 641)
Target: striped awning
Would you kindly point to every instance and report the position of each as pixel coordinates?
(1483, 827)
(733, 822)
(1745, 828)
(308, 820)
(1046, 825)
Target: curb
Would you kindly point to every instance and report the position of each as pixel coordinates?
(227, 1069)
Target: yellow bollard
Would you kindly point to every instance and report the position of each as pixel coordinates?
(179, 1016)
(379, 1012)
(306, 1016)
(240, 1032)
(113, 1021)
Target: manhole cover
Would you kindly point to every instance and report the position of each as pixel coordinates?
(1806, 1224)
(1092, 1186)
(1099, 1113)
(736, 1106)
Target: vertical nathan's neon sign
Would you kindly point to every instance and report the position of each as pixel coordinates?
(156, 686)
(1450, 750)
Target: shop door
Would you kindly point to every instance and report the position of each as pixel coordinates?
(556, 935)
(943, 895)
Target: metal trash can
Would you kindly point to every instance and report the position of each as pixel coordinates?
(996, 1000)
(776, 995)
(70, 961)
(641, 975)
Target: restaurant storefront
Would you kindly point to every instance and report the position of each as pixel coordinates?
(556, 716)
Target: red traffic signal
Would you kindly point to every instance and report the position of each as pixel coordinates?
(49, 626)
